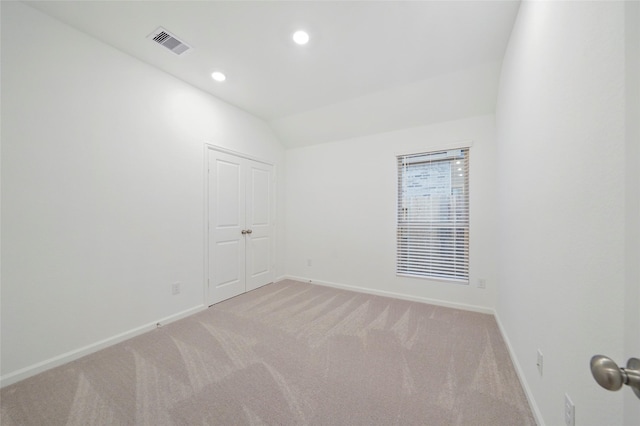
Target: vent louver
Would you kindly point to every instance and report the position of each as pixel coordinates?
(168, 40)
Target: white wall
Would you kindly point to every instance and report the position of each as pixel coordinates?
(466, 93)
(561, 145)
(102, 190)
(341, 212)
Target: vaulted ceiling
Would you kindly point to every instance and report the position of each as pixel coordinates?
(369, 66)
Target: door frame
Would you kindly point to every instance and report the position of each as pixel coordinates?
(208, 148)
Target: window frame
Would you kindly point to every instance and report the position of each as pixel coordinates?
(440, 264)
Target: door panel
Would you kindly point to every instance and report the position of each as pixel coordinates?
(228, 203)
(227, 245)
(260, 193)
(259, 257)
(227, 253)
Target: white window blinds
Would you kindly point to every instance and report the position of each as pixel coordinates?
(433, 215)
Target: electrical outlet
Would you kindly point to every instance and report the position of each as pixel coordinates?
(482, 283)
(569, 411)
(175, 288)
(539, 362)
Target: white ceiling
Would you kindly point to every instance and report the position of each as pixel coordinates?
(361, 56)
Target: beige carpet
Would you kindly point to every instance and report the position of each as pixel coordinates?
(289, 354)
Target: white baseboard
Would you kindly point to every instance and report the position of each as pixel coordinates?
(412, 298)
(48, 364)
(523, 380)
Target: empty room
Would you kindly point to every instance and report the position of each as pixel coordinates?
(320, 212)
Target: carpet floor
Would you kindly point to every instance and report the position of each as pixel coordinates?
(289, 353)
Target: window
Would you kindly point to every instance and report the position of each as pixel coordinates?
(433, 215)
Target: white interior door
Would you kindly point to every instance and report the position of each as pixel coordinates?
(227, 245)
(632, 290)
(260, 223)
(240, 225)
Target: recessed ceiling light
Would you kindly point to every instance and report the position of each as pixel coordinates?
(301, 37)
(218, 76)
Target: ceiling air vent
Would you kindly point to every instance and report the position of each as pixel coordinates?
(168, 40)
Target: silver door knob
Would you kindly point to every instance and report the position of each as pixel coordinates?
(249, 231)
(244, 231)
(611, 377)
